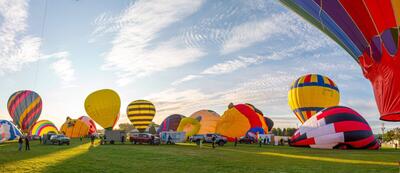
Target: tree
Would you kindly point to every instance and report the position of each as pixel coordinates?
(126, 127)
(391, 135)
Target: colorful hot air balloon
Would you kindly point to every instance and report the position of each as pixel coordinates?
(74, 128)
(335, 127)
(141, 113)
(269, 123)
(208, 120)
(189, 125)
(90, 123)
(8, 131)
(43, 127)
(24, 107)
(369, 31)
(170, 123)
(103, 107)
(240, 119)
(312, 93)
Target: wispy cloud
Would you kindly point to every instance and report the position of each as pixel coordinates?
(64, 70)
(135, 51)
(16, 48)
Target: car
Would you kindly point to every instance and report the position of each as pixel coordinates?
(59, 139)
(247, 140)
(219, 139)
(143, 138)
(197, 138)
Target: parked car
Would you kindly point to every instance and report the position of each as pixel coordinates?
(196, 138)
(220, 140)
(247, 140)
(143, 138)
(59, 139)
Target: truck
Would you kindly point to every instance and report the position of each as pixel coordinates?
(144, 138)
(113, 136)
(220, 140)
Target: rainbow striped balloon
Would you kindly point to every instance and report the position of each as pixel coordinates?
(24, 107)
(43, 127)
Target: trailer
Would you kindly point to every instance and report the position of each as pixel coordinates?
(113, 136)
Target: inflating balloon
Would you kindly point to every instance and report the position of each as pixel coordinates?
(189, 125)
(43, 127)
(208, 121)
(269, 123)
(141, 113)
(8, 131)
(170, 123)
(74, 128)
(90, 123)
(312, 93)
(24, 107)
(240, 119)
(369, 32)
(335, 127)
(103, 107)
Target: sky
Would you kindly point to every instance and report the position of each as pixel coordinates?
(182, 55)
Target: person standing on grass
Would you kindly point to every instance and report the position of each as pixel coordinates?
(92, 139)
(236, 141)
(122, 139)
(27, 147)
(20, 142)
(80, 138)
(260, 141)
(213, 141)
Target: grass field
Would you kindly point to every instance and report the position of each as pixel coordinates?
(82, 157)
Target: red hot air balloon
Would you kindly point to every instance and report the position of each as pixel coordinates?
(369, 31)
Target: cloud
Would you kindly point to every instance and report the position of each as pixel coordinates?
(16, 48)
(135, 50)
(186, 78)
(63, 69)
(232, 65)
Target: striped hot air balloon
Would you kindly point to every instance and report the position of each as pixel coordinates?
(312, 93)
(335, 127)
(43, 127)
(141, 113)
(24, 107)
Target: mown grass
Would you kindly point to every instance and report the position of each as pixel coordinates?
(83, 157)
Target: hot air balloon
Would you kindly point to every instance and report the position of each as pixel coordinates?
(369, 32)
(335, 127)
(312, 93)
(141, 113)
(189, 125)
(103, 107)
(269, 123)
(74, 128)
(43, 127)
(239, 120)
(170, 123)
(90, 123)
(208, 120)
(24, 107)
(8, 131)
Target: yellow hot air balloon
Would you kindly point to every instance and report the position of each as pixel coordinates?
(103, 107)
(141, 113)
(312, 93)
(208, 120)
(189, 125)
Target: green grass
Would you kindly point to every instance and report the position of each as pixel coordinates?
(80, 157)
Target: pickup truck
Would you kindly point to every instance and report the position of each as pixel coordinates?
(143, 138)
(220, 140)
(59, 139)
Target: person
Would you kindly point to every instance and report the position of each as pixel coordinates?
(20, 142)
(122, 139)
(236, 141)
(281, 141)
(92, 139)
(395, 145)
(169, 140)
(27, 144)
(213, 141)
(260, 141)
(152, 140)
(80, 138)
(267, 140)
(40, 140)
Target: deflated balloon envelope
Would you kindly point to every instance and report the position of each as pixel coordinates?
(335, 127)
(103, 107)
(24, 107)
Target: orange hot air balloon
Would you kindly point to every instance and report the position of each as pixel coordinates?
(74, 128)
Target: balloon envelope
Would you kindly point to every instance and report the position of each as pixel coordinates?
(312, 93)
(335, 127)
(170, 123)
(141, 113)
(74, 128)
(43, 127)
(90, 123)
(369, 32)
(103, 107)
(189, 125)
(208, 121)
(24, 107)
(8, 131)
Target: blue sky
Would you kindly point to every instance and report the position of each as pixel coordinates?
(182, 55)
